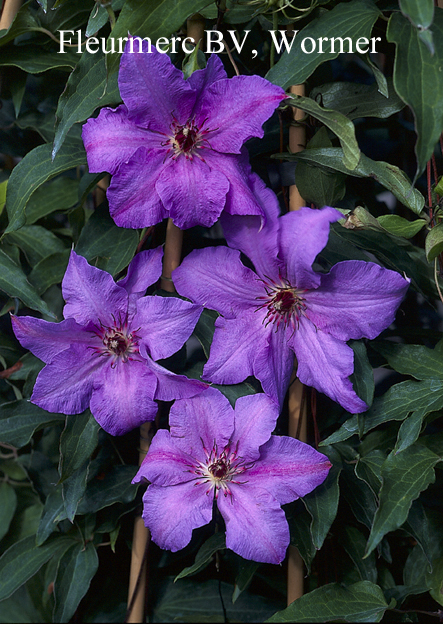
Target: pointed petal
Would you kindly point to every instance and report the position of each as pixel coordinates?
(143, 271)
(356, 299)
(171, 386)
(326, 363)
(133, 200)
(216, 278)
(273, 365)
(153, 89)
(165, 463)
(46, 339)
(112, 138)
(255, 418)
(171, 513)
(202, 78)
(199, 423)
(256, 526)
(91, 294)
(65, 385)
(122, 397)
(303, 234)
(165, 324)
(194, 192)
(288, 468)
(236, 109)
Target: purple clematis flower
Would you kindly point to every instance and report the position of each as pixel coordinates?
(216, 451)
(102, 355)
(285, 307)
(174, 148)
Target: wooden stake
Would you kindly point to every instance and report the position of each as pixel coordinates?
(9, 11)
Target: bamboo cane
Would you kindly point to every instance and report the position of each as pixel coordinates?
(9, 11)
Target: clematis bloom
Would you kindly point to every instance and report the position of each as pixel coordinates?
(285, 307)
(103, 354)
(215, 451)
(174, 147)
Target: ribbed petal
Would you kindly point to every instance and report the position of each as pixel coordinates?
(202, 78)
(256, 527)
(198, 423)
(165, 324)
(303, 234)
(133, 200)
(356, 299)
(171, 386)
(236, 109)
(143, 271)
(165, 463)
(235, 346)
(171, 513)
(65, 385)
(46, 339)
(91, 294)
(122, 396)
(111, 139)
(194, 193)
(326, 363)
(255, 418)
(274, 363)
(288, 468)
(153, 89)
(216, 278)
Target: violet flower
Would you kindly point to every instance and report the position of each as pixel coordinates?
(285, 307)
(102, 355)
(216, 451)
(174, 148)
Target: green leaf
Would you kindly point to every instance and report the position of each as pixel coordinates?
(87, 89)
(369, 468)
(434, 242)
(410, 430)
(49, 271)
(77, 442)
(247, 569)
(435, 580)
(53, 511)
(361, 602)
(8, 504)
(36, 242)
(30, 173)
(24, 559)
(417, 80)
(99, 17)
(358, 100)
(115, 487)
(420, 12)
(363, 376)
(73, 489)
(149, 18)
(20, 419)
(404, 475)
(101, 238)
(401, 227)
(14, 283)
(204, 556)
(353, 19)
(335, 121)
(416, 360)
(56, 195)
(322, 503)
(354, 542)
(204, 330)
(301, 536)
(33, 59)
(74, 575)
(389, 176)
(3, 186)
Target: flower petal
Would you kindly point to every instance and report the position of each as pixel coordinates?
(165, 324)
(194, 192)
(256, 526)
(303, 234)
(216, 278)
(112, 138)
(122, 398)
(165, 463)
(236, 109)
(202, 78)
(171, 386)
(274, 363)
(143, 271)
(153, 89)
(46, 339)
(65, 385)
(199, 423)
(255, 418)
(326, 363)
(356, 299)
(133, 200)
(171, 513)
(288, 468)
(91, 294)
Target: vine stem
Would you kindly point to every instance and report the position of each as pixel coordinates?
(297, 403)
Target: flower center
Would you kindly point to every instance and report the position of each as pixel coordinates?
(219, 469)
(186, 139)
(284, 304)
(117, 342)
